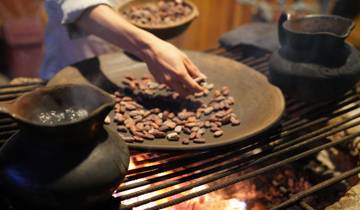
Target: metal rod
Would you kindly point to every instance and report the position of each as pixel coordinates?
(167, 157)
(281, 136)
(295, 107)
(324, 108)
(250, 61)
(291, 101)
(316, 122)
(259, 60)
(9, 127)
(264, 71)
(136, 153)
(169, 166)
(261, 66)
(320, 120)
(151, 170)
(234, 51)
(297, 197)
(18, 90)
(239, 58)
(9, 96)
(284, 190)
(8, 133)
(335, 104)
(226, 156)
(323, 132)
(22, 84)
(312, 112)
(6, 120)
(305, 206)
(247, 60)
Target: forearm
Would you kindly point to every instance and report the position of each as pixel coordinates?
(104, 22)
(166, 63)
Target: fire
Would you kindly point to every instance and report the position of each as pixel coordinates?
(245, 195)
(208, 202)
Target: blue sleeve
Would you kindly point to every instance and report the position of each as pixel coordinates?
(72, 10)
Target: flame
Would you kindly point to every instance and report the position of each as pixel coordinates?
(237, 204)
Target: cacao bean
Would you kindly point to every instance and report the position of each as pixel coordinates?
(178, 129)
(218, 133)
(199, 141)
(185, 141)
(234, 121)
(172, 137)
(121, 128)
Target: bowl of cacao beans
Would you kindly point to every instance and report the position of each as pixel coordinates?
(164, 18)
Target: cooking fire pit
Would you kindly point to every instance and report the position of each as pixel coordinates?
(295, 165)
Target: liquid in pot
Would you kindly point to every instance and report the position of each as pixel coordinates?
(54, 117)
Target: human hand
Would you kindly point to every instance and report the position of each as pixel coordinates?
(172, 67)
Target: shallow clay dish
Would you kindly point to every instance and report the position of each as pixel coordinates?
(259, 104)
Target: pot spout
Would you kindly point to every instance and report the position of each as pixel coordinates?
(330, 25)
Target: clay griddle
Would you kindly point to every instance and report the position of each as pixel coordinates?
(258, 103)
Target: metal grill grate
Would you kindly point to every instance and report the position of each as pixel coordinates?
(302, 125)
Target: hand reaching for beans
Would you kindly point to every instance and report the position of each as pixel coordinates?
(172, 67)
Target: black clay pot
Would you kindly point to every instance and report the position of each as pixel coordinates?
(71, 164)
(314, 63)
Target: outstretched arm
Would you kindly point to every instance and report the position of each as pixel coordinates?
(166, 63)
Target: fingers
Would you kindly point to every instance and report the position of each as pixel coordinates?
(191, 84)
(181, 82)
(181, 89)
(177, 85)
(193, 70)
(159, 78)
(177, 72)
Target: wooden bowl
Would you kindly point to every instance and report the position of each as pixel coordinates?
(166, 30)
